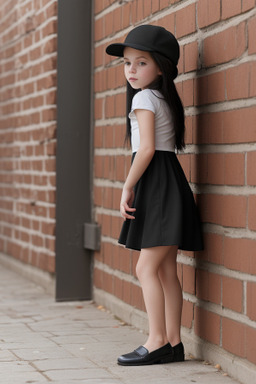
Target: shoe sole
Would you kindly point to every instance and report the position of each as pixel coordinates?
(162, 360)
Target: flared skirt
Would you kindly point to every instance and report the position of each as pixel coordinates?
(166, 213)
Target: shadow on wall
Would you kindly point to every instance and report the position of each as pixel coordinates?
(205, 170)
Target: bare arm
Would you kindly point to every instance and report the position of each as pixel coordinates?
(146, 121)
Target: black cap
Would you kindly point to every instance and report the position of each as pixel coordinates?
(149, 38)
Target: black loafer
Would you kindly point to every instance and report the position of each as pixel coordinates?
(178, 353)
(141, 356)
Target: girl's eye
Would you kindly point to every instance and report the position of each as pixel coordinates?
(141, 63)
(127, 63)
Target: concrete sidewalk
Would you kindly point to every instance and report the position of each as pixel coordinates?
(46, 342)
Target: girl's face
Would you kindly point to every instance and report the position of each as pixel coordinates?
(139, 68)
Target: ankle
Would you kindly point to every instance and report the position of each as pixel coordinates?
(174, 341)
(156, 343)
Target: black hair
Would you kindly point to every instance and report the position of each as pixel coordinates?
(165, 85)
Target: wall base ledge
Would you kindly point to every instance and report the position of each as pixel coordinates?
(238, 368)
(36, 275)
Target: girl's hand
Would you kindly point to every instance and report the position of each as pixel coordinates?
(126, 204)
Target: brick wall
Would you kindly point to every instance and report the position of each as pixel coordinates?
(217, 83)
(27, 130)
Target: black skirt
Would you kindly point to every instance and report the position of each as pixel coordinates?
(166, 213)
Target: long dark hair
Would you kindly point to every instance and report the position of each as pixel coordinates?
(165, 85)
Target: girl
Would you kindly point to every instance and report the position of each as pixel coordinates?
(157, 203)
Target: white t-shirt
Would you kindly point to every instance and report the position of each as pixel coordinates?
(153, 100)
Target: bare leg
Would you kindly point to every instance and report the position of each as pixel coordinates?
(147, 269)
(173, 296)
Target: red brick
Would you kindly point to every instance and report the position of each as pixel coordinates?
(134, 261)
(108, 136)
(252, 87)
(233, 337)
(207, 325)
(119, 135)
(167, 22)
(98, 137)
(251, 161)
(126, 12)
(232, 294)
(115, 257)
(186, 21)
(155, 6)
(126, 292)
(228, 11)
(213, 248)
(116, 223)
(120, 105)
(117, 192)
(251, 344)
(199, 171)
(117, 15)
(234, 165)
(119, 76)
(234, 123)
(164, 4)
(187, 314)
(225, 46)
(251, 300)
(208, 286)
(107, 254)
(251, 213)
(140, 9)
(98, 29)
(209, 89)
(120, 168)
(211, 208)
(109, 167)
(234, 217)
(98, 108)
(106, 225)
(108, 197)
(98, 7)
(216, 169)
(189, 129)
(184, 160)
(189, 279)
(181, 60)
(98, 56)
(239, 254)
(125, 260)
(251, 36)
(191, 56)
(187, 89)
(110, 106)
(208, 12)
(108, 283)
(238, 80)
(118, 288)
(203, 131)
(247, 4)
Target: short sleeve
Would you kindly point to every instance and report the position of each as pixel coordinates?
(143, 100)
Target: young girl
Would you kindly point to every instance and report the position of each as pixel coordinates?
(157, 203)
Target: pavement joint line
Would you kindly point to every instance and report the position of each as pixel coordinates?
(43, 341)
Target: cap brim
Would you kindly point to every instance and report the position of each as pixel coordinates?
(118, 49)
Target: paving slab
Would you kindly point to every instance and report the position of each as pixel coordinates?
(42, 341)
